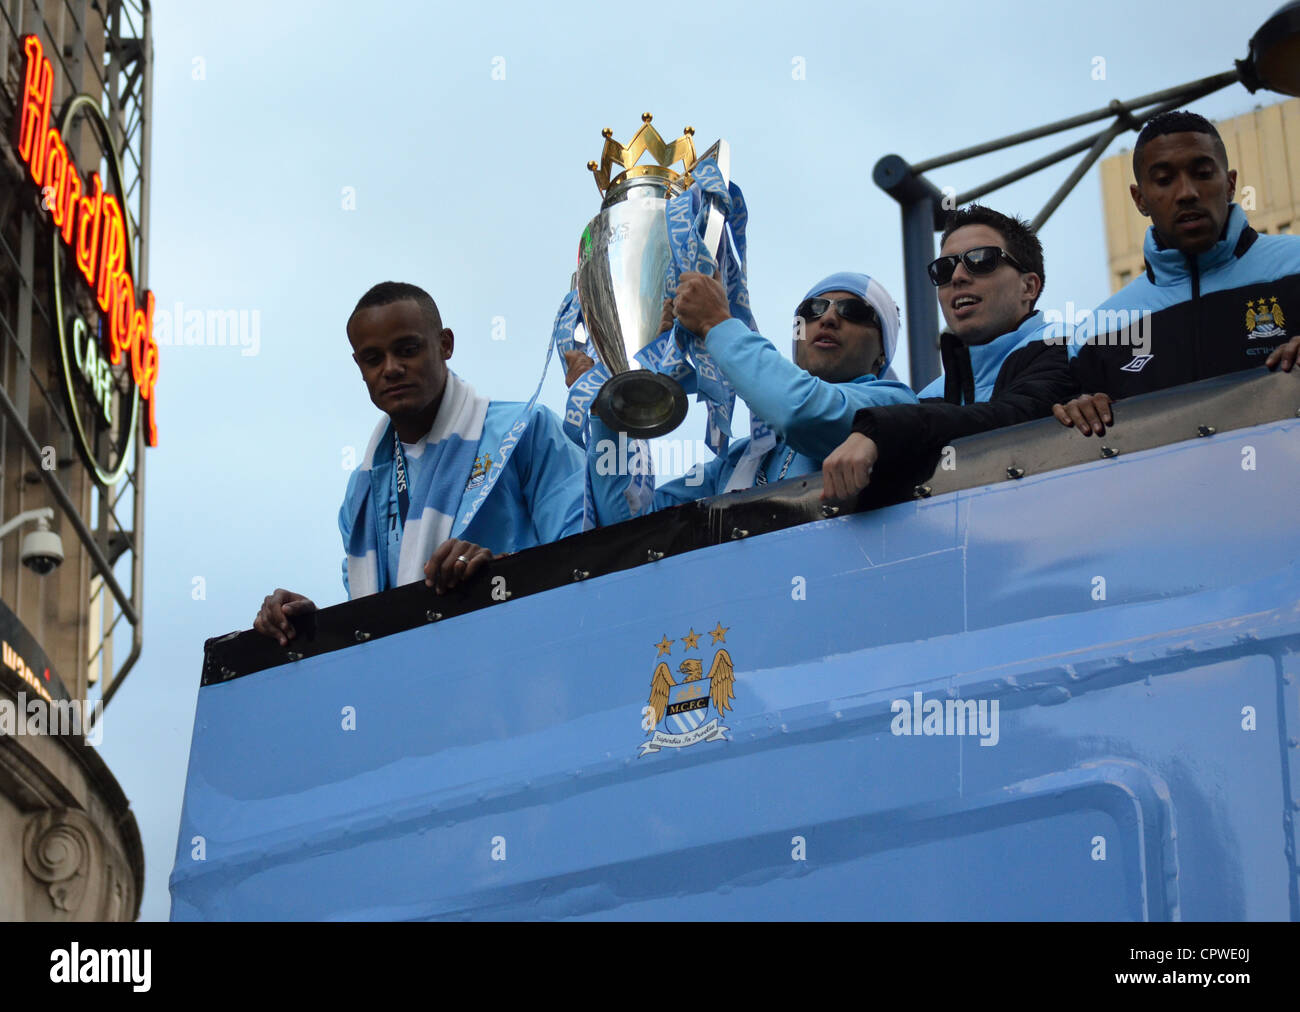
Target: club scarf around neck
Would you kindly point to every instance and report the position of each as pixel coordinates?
(446, 454)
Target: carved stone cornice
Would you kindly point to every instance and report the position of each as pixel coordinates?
(72, 845)
(75, 874)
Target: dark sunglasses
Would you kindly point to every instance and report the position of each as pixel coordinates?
(980, 260)
(848, 310)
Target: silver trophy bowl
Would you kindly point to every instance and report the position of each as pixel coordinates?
(623, 262)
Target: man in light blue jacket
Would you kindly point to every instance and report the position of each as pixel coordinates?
(846, 331)
(1216, 296)
(448, 479)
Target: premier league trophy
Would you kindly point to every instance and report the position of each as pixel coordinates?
(624, 261)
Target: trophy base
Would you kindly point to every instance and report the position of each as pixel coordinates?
(641, 403)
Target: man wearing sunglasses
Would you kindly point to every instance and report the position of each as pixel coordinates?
(1207, 273)
(846, 328)
(997, 371)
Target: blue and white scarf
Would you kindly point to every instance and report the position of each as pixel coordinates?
(449, 453)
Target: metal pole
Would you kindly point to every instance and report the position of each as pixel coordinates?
(1124, 121)
(920, 201)
(1098, 149)
(145, 56)
(922, 305)
(1015, 175)
(1208, 84)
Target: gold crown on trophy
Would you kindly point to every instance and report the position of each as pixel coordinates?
(646, 138)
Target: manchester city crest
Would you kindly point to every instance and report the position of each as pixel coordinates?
(479, 473)
(1264, 319)
(688, 709)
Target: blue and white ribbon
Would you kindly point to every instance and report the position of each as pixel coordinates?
(577, 412)
(688, 216)
(577, 407)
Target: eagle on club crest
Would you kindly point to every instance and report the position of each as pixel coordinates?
(690, 711)
(1264, 320)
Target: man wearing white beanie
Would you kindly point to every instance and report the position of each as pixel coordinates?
(846, 328)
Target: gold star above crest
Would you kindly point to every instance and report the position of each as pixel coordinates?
(720, 633)
(692, 640)
(664, 646)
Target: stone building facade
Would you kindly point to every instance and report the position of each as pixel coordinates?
(75, 123)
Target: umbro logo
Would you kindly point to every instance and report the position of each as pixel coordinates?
(1137, 363)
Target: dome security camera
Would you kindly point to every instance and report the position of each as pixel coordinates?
(42, 549)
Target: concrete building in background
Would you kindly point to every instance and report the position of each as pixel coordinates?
(1263, 146)
(78, 369)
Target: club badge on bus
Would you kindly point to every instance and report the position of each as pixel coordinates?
(687, 712)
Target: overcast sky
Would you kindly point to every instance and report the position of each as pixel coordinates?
(304, 151)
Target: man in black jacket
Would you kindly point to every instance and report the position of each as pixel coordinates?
(997, 370)
(1216, 296)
